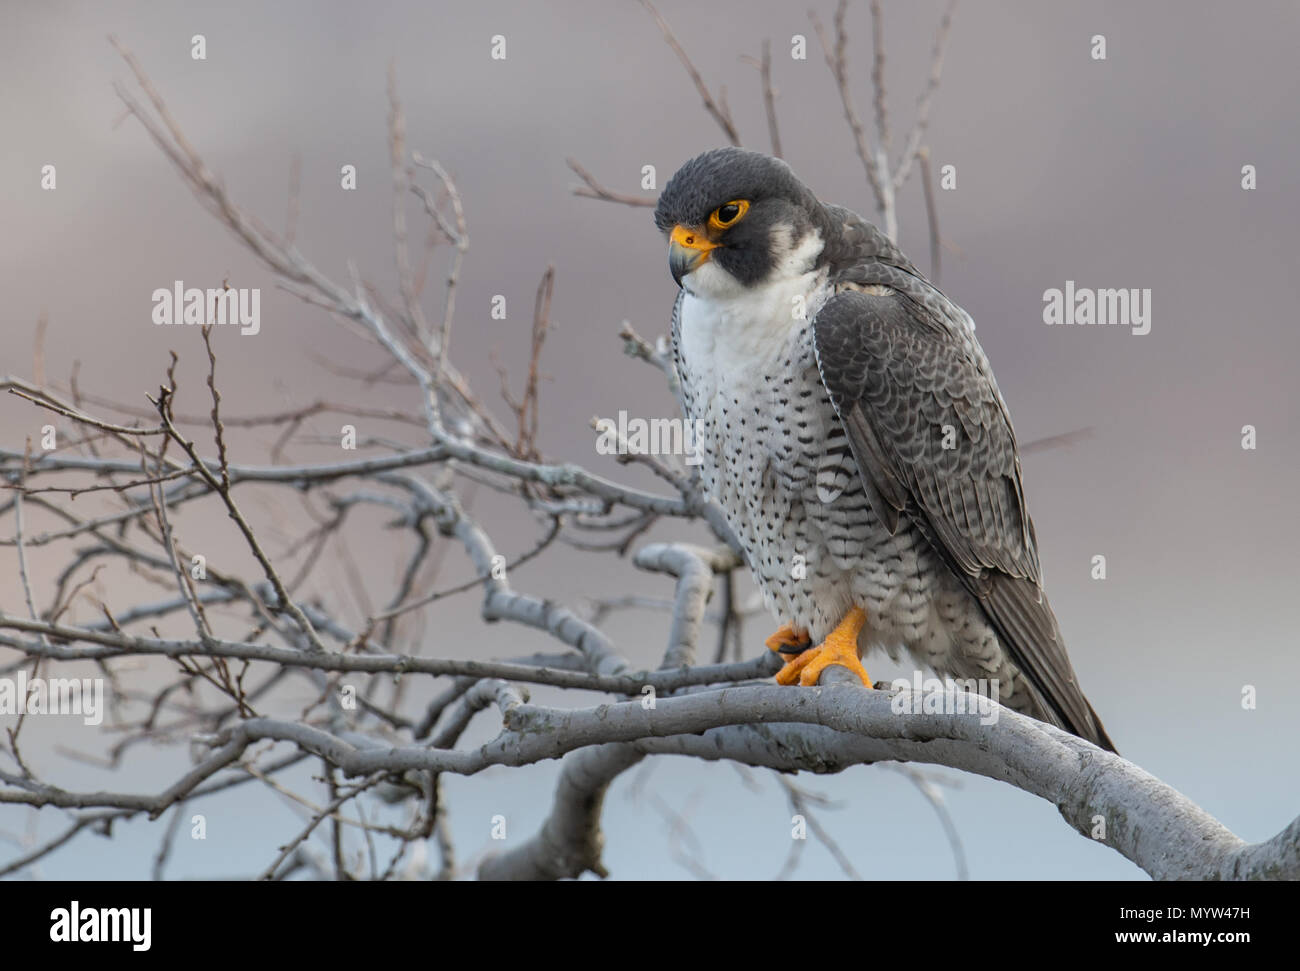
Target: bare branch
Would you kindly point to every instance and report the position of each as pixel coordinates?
(931, 213)
(764, 67)
(594, 190)
(716, 109)
(872, 164)
(917, 133)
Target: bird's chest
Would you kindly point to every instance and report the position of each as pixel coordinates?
(772, 450)
(750, 380)
(775, 456)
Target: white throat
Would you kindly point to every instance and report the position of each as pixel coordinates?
(724, 324)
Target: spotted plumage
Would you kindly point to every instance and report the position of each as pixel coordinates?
(854, 436)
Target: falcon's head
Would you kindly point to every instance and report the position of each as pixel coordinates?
(736, 218)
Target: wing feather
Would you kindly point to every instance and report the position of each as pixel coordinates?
(903, 371)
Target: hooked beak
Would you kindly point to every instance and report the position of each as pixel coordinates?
(687, 249)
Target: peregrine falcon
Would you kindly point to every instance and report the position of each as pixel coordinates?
(854, 436)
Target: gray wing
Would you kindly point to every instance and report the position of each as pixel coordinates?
(903, 372)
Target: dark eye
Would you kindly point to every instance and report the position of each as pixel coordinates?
(729, 214)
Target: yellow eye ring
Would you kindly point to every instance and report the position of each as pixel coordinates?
(726, 216)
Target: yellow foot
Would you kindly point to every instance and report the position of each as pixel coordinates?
(788, 640)
(840, 647)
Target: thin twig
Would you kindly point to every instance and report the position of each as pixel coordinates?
(717, 111)
(917, 134)
(764, 65)
(594, 190)
(931, 212)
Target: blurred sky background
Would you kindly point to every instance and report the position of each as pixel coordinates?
(1117, 173)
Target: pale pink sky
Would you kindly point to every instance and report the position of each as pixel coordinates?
(1120, 173)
